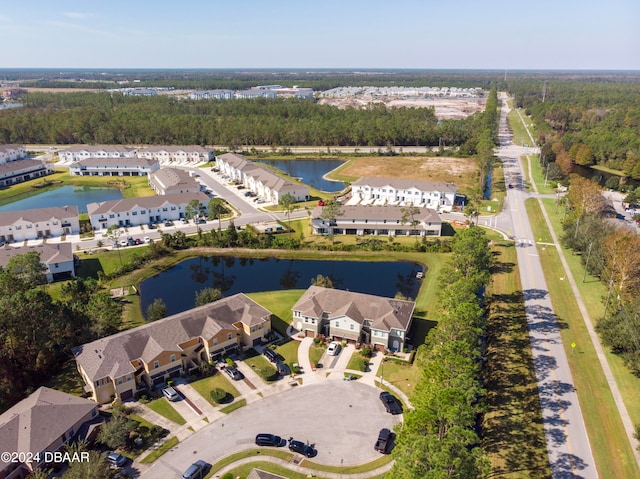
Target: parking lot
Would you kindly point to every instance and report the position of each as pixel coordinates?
(340, 418)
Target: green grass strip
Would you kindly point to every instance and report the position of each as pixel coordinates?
(153, 455)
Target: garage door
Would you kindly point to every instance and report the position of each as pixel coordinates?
(157, 381)
(126, 395)
(175, 374)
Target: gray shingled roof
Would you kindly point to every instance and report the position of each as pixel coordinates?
(261, 173)
(385, 313)
(112, 162)
(49, 252)
(174, 149)
(170, 177)
(128, 204)
(38, 215)
(403, 184)
(40, 419)
(386, 212)
(95, 149)
(112, 356)
(19, 165)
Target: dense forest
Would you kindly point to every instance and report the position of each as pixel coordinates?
(104, 118)
(591, 121)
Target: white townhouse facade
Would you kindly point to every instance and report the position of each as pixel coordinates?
(377, 220)
(12, 153)
(99, 166)
(185, 155)
(212, 94)
(170, 181)
(363, 318)
(18, 171)
(38, 223)
(260, 179)
(139, 211)
(396, 191)
(83, 152)
(57, 257)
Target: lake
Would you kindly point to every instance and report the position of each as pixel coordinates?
(65, 196)
(178, 286)
(310, 172)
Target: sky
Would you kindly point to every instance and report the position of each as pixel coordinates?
(349, 34)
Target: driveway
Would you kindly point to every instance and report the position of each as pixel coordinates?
(341, 419)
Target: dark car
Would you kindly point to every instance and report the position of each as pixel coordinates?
(233, 373)
(302, 448)
(283, 369)
(390, 403)
(271, 355)
(270, 440)
(384, 438)
(510, 186)
(131, 241)
(197, 470)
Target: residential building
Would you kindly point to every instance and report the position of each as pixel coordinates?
(139, 211)
(185, 155)
(362, 318)
(11, 153)
(212, 94)
(83, 152)
(57, 257)
(38, 223)
(170, 181)
(44, 422)
(118, 366)
(377, 220)
(18, 171)
(100, 166)
(396, 191)
(260, 179)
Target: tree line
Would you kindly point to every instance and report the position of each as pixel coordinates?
(592, 121)
(441, 436)
(104, 118)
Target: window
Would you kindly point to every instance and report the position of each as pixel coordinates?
(215, 341)
(337, 324)
(134, 213)
(156, 365)
(229, 335)
(351, 327)
(173, 358)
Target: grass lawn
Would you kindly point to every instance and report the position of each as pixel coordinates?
(153, 455)
(315, 353)
(164, 408)
(539, 174)
(402, 376)
(279, 303)
(289, 351)
(514, 435)
(262, 367)
(206, 385)
(358, 362)
(538, 224)
(67, 379)
(233, 406)
(358, 469)
(612, 451)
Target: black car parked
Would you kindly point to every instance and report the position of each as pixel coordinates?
(302, 448)
(270, 440)
(271, 355)
(390, 403)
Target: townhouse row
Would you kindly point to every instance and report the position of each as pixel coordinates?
(404, 192)
(187, 155)
(15, 167)
(133, 361)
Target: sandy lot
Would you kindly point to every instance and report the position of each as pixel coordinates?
(461, 171)
(445, 108)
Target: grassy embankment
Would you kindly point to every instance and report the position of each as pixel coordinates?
(612, 452)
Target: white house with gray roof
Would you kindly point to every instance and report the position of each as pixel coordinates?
(139, 211)
(397, 191)
(136, 360)
(45, 421)
(12, 153)
(84, 152)
(169, 181)
(99, 166)
(377, 220)
(260, 179)
(358, 317)
(38, 223)
(184, 155)
(57, 257)
(17, 171)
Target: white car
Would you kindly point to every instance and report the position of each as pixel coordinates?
(333, 349)
(147, 239)
(171, 394)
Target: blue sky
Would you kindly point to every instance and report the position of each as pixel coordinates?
(469, 34)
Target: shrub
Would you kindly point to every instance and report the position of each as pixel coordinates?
(230, 362)
(294, 369)
(218, 395)
(365, 352)
(316, 341)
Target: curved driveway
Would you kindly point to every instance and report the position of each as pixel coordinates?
(340, 418)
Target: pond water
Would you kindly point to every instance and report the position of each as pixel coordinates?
(601, 176)
(178, 286)
(65, 196)
(310, 172)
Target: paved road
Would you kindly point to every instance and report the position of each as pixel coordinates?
(568, 445)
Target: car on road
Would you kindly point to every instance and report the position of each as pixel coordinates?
(384, 440)
(115, 459)
(124, 243)
(268, 230)
(168, 223)
(390, 403)
(510, 186)
(147, 239)
(333, 349)
(197, 470)
(131, 241)
(233, 373)
(171, 394)
(302, 448)
(138, 241)
(271, 355)
(270, 440)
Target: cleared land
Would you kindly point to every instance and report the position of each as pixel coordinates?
(460, 171)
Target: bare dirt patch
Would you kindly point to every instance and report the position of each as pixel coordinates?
(445, 108)
(460, 171)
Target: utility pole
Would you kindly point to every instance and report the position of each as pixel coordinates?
(606, 306)
(586, 265)
(544, 91)
(546, 175)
